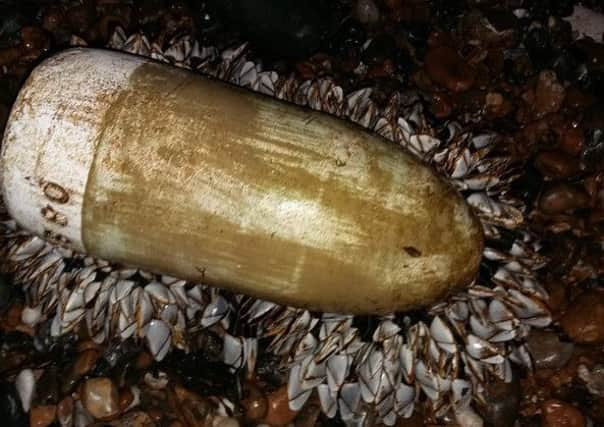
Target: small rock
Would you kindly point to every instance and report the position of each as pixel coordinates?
(491, 28)
(502, 403)
(441, 105)
(42, 416)
(81, 417)
(555, 164)
(84, 363)
(143, 360)
(101, 398)
(278, 408)
(496, 105)
(65, 412)
(254, 403)
(584, 320)
(547, 349)
(593, 378)
(556, 413)
(126, 397)
(366, 11)
(562, 198)
(448, 69)
(26, 387)
(193, 407)
(549, 93)
(572, 141)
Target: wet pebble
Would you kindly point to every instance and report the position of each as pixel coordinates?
(584, 320)
(254, 403)
(448, 69)
(503, 402)
(593, 378)
(556, 164)
(561, 198)
(84, 363)
(65, 411)
(572, 141)
(366, 11)
(491, 27)
(100, 397)
(42, 416)
(547, 350)
(549, 93)
(556, 413)
(278, 413)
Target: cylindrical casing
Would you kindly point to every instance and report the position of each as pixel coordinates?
(148, 165)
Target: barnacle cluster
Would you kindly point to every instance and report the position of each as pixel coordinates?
(439, 362)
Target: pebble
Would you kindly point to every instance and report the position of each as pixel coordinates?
(503, 403)
(593, 378)
(84, 363)
(556, 164)
(81, 417)
(547, 350)
(11, 412)
(448, 69)
(584, 320)
(556, 413)
(366, 11)
(278, 413)
(254, 404)
(561, 198)
(42, 416)
(193, 407)
(65, 412)
(100, 397)
(572, 141)
(549, 93)
(492, 28)
(126, 398)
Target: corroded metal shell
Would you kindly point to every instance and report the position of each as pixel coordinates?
(144, 164)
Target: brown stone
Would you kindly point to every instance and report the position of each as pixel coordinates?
(556, 413)
(65, 411)
(254, 404)
(100, 397)
(562, 198)
(572, 141)
(441, 105)
(126, 397)
(556, 164)
(279, 413)
(549, 93)
(584, 320)
(42, 416)
(448, 69)
(143, 360)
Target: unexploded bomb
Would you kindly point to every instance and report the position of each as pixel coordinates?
(148, 165)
